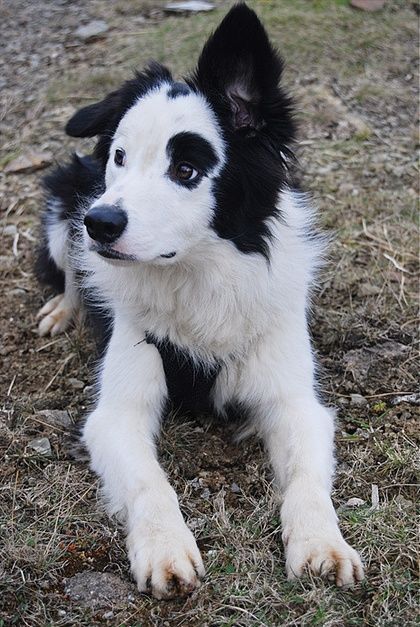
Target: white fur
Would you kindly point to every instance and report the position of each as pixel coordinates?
(221, 304)
(56, 315)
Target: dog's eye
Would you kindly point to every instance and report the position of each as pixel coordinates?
(119, 157)
(185, 172)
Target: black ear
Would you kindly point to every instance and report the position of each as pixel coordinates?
(239, 68)
(96, 118)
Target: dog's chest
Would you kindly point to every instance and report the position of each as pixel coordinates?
(189, 383)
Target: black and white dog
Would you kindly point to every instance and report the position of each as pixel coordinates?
(185, 230)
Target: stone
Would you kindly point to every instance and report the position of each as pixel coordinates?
(368, 5)
(41, 446)
(76, 383)
(29, 162)
(411, 399)
(56, 417)
(193, 6)
(355, 502)
(93, 31)
(358, 400)
(235, 488)
(96, 590)
(9, 229)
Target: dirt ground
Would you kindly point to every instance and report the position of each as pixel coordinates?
(354, 76)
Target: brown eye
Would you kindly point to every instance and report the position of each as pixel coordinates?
(185, 172)
(119, 157)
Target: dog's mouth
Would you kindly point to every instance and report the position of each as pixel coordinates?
(110, 253)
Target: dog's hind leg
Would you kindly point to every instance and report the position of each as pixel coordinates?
(53, 267)
(57, 313)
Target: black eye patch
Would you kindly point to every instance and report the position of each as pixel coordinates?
(193, 149)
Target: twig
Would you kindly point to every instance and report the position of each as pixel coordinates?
(60, 370)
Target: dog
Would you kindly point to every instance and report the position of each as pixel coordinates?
(187, 241)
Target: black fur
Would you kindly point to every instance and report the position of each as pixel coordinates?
(67, 188)
(189, 384)
(239, 73)
(178, 89)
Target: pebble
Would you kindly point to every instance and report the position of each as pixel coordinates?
(41, 446)
(29, 162)
(235, 488)
(96, 590)
(192, 6)
(93, 31)
(412, 399)
(56, 417)
(358, 400)
(9, 229)
(76, 383)
(355, 502)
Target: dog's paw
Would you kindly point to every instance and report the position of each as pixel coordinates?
(327, 556)
(165, 561)
(55, 316)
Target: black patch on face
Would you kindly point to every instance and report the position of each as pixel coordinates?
(178, 89)
(189, 384)
(193, 149)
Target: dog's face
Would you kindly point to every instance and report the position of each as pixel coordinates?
(188, 162)
(163, 159)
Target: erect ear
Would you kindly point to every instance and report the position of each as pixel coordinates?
(238, 68)
(96, 118)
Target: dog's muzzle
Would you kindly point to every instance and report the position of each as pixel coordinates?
(105, 223)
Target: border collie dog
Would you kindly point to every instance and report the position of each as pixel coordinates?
(185, 240)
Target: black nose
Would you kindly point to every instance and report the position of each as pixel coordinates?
(105, 223)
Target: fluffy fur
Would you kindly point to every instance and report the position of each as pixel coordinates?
(197, 260)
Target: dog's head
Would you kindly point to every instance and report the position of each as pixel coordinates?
(188, 162)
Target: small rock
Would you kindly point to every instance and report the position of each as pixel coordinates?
(56, 417)
(235, 488)
(93, 31)
(99, 590)
(76, 383)
(368, 5)
(30, 162)
(412, 399)
(108, 615)
(367, 289)
(192, 6)
(355, 502)
(9, 229)
(205, 493)
(358, 400)
(41, 446)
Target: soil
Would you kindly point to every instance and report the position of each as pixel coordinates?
(354, 77)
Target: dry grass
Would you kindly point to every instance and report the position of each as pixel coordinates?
(354, 76)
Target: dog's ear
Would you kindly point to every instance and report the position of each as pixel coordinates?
(94, 119)
(238, 69)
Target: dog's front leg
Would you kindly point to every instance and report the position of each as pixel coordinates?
(119, 435)
(298, 432)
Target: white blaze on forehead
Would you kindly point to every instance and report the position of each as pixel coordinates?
(148, 125)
